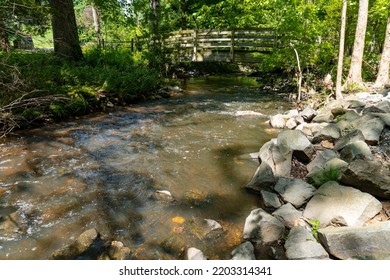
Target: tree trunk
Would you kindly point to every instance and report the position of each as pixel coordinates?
(96, 23)
(154, 5)
(383, 73)
(341, 51)
(65, 36)
(355, 71)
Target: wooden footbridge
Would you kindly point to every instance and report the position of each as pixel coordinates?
(237, 45)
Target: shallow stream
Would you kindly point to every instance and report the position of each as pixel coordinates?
(102, 171)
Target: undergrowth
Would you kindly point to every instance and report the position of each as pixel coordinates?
(37, 87)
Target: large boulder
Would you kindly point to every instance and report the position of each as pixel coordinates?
(295, 191)
(301, 245)
(369, 176)
(370, 242)
(355, 150)
(277, 121)
(288, 215)
(340, 205)
(263, 179)
(262, 228)
(332, 170)
(321, 158)
(244, 251)
(330, 133)
(296, 142)
(371, 127)
(278, 161)
(351, 137)
(309, 129)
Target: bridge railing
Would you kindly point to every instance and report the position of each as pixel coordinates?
(237, 45)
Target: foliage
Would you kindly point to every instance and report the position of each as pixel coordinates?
(57, 88)
(315, 226)
(325, 175)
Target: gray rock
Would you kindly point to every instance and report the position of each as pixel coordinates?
(323, 116)
(380, 107)
(309, 129)
(270, 199)
(308, 114)
(330, 133)
(295, 191)
(291, 123)
(296, 142)
(336, 204)
(320, 159)
(385, 117)
(369, 176)
(195, 254)
(299, 120)
(78, 247)
(292, 113)
(277, 121)
(164, 195)
(371, 128)
(205, 228)
(301, 245)
(263, 179)
(370, 242)
(354, 103)
(353, 136)
(331, 171)
(288, 215)
(244, 251)
(355, 150)
(263, 228)
(279, 162)
(116, 251)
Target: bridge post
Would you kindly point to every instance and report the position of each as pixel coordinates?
(232, 46)
(195, 49)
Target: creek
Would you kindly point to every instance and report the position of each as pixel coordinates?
(102, 171)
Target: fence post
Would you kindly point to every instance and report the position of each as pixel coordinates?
(232, 46)
(195, 50)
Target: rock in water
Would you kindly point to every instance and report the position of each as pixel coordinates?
(195, 254)
(262, 228)
(263, 179)
(245, 251)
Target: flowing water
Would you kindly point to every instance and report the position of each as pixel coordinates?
(103, 171)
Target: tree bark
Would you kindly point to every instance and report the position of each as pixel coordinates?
(383, 73)
(154, 5)
(341, 51)
(96, 23)
(65, 36)
(355, 71)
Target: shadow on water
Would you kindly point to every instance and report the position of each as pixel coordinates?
(102, 172)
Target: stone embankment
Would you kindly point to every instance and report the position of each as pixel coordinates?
(324, 183)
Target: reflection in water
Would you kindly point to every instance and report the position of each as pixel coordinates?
(103, 171)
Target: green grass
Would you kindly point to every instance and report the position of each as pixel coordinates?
(64, 88)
